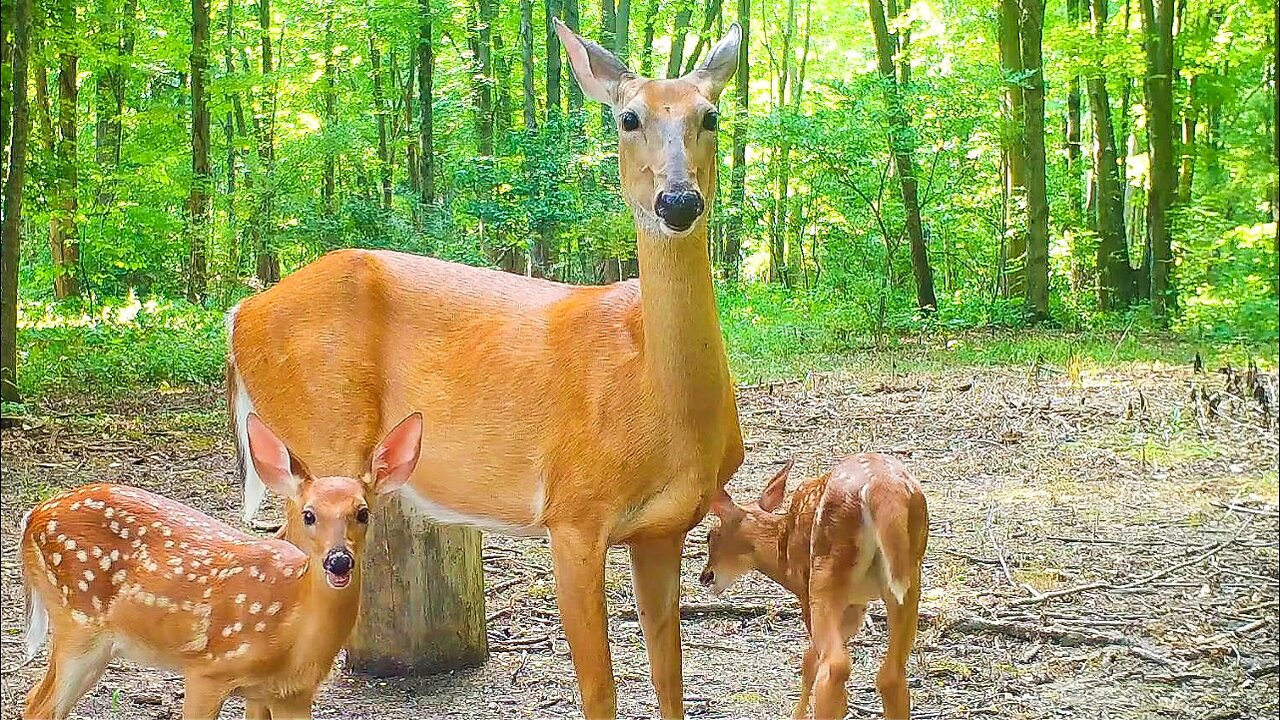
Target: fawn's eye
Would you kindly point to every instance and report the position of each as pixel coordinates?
(629, 120)
(308, 517)
(362, 515)
(711, 121)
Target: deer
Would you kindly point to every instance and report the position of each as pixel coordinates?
(852, 535)
(113, 570)
(595, 416)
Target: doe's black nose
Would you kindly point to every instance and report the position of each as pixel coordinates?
(680, 208)
(339, 562)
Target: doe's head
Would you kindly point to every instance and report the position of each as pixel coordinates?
(666, 128)
(332, 513)
(740, 532)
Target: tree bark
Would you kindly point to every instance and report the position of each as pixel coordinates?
(482, 77)
(63, 230)
(1187, 148)
(573, 22)
(380, 110)
(1115, 276)
(198, 200)
(1032, 27)
(15, 173)
(622, 30)
(1157, 18)
(329, 187)
(229, 133)
(1014, 247)
(109, 94)
(901, 145)
(646, 49)
(732, 260)
(1075, 16)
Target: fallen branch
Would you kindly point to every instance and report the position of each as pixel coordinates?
(1067, 637)
(1065, 592)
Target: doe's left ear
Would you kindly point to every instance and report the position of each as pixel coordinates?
(776, 490)
(721, 63)
(396, 457)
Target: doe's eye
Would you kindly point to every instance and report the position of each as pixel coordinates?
(711, 121)
(629, 120)
(308, 517)
(362, 515)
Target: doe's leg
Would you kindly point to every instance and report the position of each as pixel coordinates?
(655, 570)
(577, 558)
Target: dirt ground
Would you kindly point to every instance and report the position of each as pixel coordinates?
(1149, 504)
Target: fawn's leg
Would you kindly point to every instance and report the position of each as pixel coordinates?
(203, 699)
(577, 557)
(828, 599)
(892, 678)
(75, 666)
(294, 707)
(808, 670)
(256, 710)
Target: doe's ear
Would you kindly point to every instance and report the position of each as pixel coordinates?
(279, 469)
(396, 457)
(773, 494)
(598, 71)
(721, 63)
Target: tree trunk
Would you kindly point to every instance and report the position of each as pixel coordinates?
(1115, 276)
(1014, 248)
(6, 59)
(501, 79)
(675, 63)
(1158, 29)
(329, 189)
(15, 173)
(622, 30)
(229, 133)
(1190, 117)
(553, 61)
(526, 55)
(380, 110)
(732, 260)
(709, 16)
(572, 21)
(1032, 26)
(902, 146)
(1075, 15)
(109, 96)
(426, 103)
(782, 165)
(413, 165)
(198, 200)
(646, 50)
(63, 231)
(608, 21)
(482, 77)
(266, 264)
(422, 600)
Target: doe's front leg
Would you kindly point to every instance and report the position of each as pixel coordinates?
(655, 571)
(577, 559)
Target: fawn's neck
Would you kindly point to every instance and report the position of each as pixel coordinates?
(765, 536)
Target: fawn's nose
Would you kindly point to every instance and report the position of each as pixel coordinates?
(679, 209)
(339, 562)
(707, 577)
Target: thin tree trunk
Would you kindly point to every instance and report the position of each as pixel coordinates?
(109, 98)
(676, 61)
(1013, 257)
(608, 22)
(1032, 26)
(782, 165)
(414, 166)
(6, 59)
(709, 16)
(15, 173)
(1190, 117)
(63, 231)
(501, 79)
(622, 30)
(573, 22)
(1115, 276)
(380, 109)
(1075, 16)
(329, 188)
(526, 55)
(1158, 28)
(553, 61)
(198, 200)
(229, 133)
(266, 264)
(426, 103)
(901, 146)
(732, 260)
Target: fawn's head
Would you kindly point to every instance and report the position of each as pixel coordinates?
(334, 511)
(666, 129)
(741, 533)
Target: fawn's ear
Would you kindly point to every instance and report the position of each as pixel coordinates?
(279, 469)
(725, 508)
(396, 457)
(776, 490)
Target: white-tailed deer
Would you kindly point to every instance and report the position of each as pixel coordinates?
(597, 415)
(117, 571)
(855, 534)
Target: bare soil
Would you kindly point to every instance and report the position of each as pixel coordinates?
(1151, 506)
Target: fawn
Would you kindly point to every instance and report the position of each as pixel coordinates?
(852, 535)
(117, 571)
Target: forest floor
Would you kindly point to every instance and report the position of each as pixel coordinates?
(1116, 482)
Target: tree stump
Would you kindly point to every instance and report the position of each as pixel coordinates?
(422, 607)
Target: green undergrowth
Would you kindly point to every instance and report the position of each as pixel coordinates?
(128, 344)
